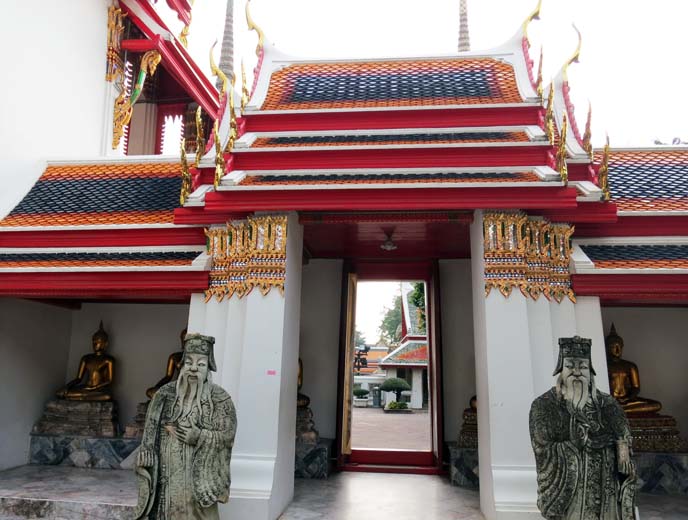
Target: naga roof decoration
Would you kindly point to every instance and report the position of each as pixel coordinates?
(114, 193)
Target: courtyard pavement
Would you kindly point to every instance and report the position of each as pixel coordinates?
(372, 428)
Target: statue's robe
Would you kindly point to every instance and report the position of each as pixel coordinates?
(579, 479)
(186, 482)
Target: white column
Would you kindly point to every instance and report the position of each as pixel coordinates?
(504, 381)
(390, 397)
(543, 348)
(589, 325)
(417, 388)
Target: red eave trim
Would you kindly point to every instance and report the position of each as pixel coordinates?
(586, 212)
(391, 199)
(619, 288)
(640, 226)
(104, 285)
(203, 216)
(104, 238)
(349, 217)
(182, 67)
(362, 120)
(514, 156)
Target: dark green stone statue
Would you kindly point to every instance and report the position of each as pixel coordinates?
(183, 463)
(582, 444)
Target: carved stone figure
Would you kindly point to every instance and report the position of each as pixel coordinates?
(183, 463)
(624, 378)
(582, 444)
(174, 364)
(96, 373)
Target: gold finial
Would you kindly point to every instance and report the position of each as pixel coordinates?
(244, 88)
(576, 54)
(603, 173)
(233, 129)
(183, 36)
(561, 152)
(549, 114)
(200, 137)
(535, 15)
(253, 27)
(219, 157)
(217, 72)
(587, 136)
(186, 176)
(115, 64)
(538, 84)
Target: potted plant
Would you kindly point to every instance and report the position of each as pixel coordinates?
(361, 397)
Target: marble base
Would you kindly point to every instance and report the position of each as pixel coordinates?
(311, 458)
(134, 430)
(80, 452)
(662, 473)
(463, 467)
(66, 493)
(88, 418)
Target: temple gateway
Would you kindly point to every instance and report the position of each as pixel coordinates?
(248, 206)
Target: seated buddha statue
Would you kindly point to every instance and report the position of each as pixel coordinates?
(174, 363)
(624, 379)
(302, 400)
(95, 375)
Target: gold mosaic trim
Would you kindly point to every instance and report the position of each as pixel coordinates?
(528, 254)
(248, 255)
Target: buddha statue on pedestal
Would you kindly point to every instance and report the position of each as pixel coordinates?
(624, 379)
(95, 375)
(174, 363)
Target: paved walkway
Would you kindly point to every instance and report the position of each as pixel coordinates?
(374, 429)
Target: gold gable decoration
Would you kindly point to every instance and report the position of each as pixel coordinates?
(528, 254)
(247, 255)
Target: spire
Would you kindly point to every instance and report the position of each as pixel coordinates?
(464, 38)
(227, 50)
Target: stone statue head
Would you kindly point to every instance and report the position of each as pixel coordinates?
(182, 335)
(614, 344)
(199, 344)
(193, 383)
(576, 382)
(100, 340)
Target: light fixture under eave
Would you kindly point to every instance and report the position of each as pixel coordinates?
(388, 244)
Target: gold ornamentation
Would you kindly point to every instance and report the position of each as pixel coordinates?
(186, 176)
(587, 136)
(184, 35)
(115, 64)
(217, 72)
(200, 137)
(575, 56)
(535, 15)
(244, 88)
(124, 104)
(248, 255)
(530, 254)
(603, 173)
(233, 128)
(220, 167)
(538, 85)
(253, 27)
(561, 166)
(549, 114)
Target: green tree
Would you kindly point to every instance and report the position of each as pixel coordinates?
(396, 385)
(417, 298)
(390, 326)
(359, 339)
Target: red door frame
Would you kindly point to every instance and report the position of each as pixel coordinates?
(398, 461)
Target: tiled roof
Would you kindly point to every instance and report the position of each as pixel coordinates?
(638, 256)
(97, 259)
(412, 353)
(115, 193)
(655, 180)
(391, 139)
(398, 83)
(383, 178)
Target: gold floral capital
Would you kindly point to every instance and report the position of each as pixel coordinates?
(247, 255)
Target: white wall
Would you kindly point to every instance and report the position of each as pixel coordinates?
(319, 350)
(53, 92)
(34, 345)
(458, 352)
(655, 340)
(142, 336)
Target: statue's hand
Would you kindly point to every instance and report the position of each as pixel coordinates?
(145, 458)
(625, 465)
(207, 500)
(188, 434)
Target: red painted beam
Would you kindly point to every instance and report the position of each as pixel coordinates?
(104, 238)
(640, 226)
(408, 199)
(430, 118)
(392, 457)
(650, 288)
(582, 172)
(586, 212)
(204, 216)
(463, 217)
(104, 285)
(513, 156)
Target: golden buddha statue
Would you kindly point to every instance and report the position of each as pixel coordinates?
(624, 379)
(174, 364)
(94, 378)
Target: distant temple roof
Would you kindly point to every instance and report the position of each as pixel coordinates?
(412, 353)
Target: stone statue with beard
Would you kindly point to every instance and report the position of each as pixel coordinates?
(183, 462)
(582, 444)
